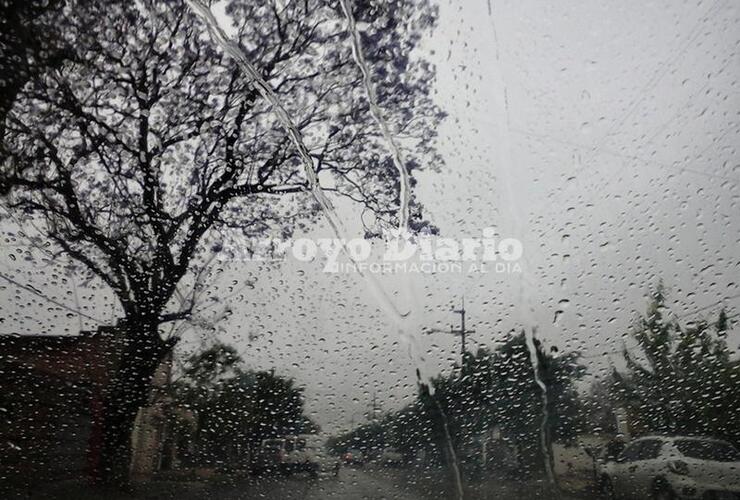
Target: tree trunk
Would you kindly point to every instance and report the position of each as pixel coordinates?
(141, 353)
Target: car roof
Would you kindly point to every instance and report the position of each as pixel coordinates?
(670, 439)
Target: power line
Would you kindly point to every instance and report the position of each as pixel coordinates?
(609, 353)
(49, 299)
(710, 306)
(713, 304)
(576, 145)
(651, 83)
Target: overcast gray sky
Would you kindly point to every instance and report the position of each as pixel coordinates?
(601, 134)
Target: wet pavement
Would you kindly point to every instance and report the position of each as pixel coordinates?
(381, 484)
(368, 483)
(351, 484)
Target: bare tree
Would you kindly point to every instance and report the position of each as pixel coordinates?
(146, 147)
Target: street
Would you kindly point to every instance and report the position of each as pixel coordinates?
(372, 483)
(367, 483)
(351, 484)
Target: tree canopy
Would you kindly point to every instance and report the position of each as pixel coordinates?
(679, 379)
(147, 147)
(237, 408)
(492, 389)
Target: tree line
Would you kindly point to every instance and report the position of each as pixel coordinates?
(234, 408)
(677, 379)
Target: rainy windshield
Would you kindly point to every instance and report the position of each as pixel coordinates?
(357, 249)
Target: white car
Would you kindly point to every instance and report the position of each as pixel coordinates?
(310, 450)
(390, 457)
(294, 454)
(662, 467)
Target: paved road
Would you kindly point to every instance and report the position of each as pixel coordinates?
(379, 484)
(351, 484)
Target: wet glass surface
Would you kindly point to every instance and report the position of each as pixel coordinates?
(364, 250)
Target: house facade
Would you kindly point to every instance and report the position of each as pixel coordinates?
(51, 409)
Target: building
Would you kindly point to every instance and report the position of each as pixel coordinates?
(51, 392)
(162, 436)
(51, 409)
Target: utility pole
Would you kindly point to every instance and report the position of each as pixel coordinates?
(375, 408)
(460, 332)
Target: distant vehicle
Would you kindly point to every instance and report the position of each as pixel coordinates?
(661, 467)
(315, 453)
(390, 457)
(294, 454)
(353, 456)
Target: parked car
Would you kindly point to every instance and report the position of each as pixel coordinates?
(294, 454)
(662, 467)
(353, 456)
(390, 457)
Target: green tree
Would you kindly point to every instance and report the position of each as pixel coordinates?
(370, 438)
(237, 408)
(679, 379)
(498, 388)
(491, 388)
(598, 410)
(515, 398)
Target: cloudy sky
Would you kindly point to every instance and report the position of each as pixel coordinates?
(602, 135)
